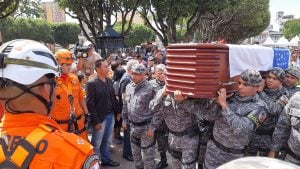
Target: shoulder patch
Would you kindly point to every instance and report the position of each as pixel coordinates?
(84, 146)
(257, 116)
(294, 112)
(92, 162)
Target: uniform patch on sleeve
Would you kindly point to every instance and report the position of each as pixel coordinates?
(92, 162)
(257, 116)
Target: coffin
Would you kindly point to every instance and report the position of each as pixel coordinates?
(198, 70)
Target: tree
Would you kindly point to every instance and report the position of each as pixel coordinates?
(165, 16)
(26, 28)
(162, 16)
(237, 21)
(127, 9)
(65, 33)
(87, 12)
(8, 7)
(95, 14)
(30, 9)
(291, 28)
(206, 20)
(137, 34)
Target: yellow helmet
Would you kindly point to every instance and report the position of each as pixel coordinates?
(64, 56)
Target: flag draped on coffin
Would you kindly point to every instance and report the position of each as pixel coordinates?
(242, 57)
(281, 58)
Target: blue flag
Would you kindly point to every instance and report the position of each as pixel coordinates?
(281, 58)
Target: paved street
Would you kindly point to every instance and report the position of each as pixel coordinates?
(116, 155)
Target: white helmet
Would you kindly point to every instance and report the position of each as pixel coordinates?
(25, 61)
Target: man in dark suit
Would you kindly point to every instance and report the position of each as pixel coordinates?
(102, 104)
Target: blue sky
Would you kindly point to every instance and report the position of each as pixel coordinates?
(288, 6)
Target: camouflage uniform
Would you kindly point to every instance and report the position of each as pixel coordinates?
(293, 89)
(183, 129)
(261, 141)
(136, 112)
(162, 131)
(287, 131)
(233, 126)
(206, 131)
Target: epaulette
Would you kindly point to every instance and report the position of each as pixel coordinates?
(78, 142)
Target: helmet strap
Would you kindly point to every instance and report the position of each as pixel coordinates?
(25, 89)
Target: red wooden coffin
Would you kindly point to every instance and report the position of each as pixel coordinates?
(198, 70)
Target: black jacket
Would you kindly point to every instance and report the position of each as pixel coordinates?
(97, 98)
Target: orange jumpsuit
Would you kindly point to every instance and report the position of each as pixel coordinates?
(57, 149)
(1, 112)
(69, 84)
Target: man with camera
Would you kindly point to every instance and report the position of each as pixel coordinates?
(86, 58)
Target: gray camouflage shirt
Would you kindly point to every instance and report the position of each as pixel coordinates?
(235, 125)
(272, 99)
(136, 103)
(288, 128)
(176, 115)
(292, 90)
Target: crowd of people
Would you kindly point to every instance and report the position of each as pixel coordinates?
(46, 97)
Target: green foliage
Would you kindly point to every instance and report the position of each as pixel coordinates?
(95, 14)
(235, 22)
(252, 18)
(65, 33)
(137, 35)
(30, 8)
(7, 7)
(164, 16)
(26, 28)
(39, 30)
(291, 28)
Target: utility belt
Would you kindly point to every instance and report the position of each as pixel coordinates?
(226, 149)
(261, 132)
(67, 121)
(175, 153)
(80, 131)
(143, 123)
(76, 131)
(291, 153)
(191, 131)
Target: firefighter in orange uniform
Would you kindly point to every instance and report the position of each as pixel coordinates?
(70, 107)
(29, 138)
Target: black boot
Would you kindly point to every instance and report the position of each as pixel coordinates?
(163, 161)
